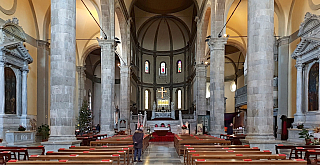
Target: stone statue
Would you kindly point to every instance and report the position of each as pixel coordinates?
(154, 106)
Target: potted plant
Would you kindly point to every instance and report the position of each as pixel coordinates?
(305, 134)
(21, 128)
(43, 131)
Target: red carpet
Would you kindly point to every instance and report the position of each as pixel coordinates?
(168, 138)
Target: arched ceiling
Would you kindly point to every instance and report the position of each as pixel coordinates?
(163, 6)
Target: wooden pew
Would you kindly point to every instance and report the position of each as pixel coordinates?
(311, 152)
(248, 162)
(75, 157)
(97, 150)
(22, 151)
(292, 148)
(123, 154)
(217, 149)
(229, 152)
(101, 162)
(181, 143)
(236, 156)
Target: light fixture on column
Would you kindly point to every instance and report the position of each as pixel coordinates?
(233, 86)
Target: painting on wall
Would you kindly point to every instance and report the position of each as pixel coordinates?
(313, 86)
(10, 90)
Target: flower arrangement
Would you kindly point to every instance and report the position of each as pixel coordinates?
(21, 128)
(300, 126)
(184, 127)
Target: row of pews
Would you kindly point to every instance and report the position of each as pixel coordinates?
(114, 150)
(205, 149)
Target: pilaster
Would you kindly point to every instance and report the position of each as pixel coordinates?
(43, 52)
(201, 78)
(217, 107)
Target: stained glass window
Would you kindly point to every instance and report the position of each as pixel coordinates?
(163, 68)
(179, 99)
(146, 99)
(146, 67)
(179, 66)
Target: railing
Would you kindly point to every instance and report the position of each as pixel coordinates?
(241, 96)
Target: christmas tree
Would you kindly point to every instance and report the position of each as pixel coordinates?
(84, 119)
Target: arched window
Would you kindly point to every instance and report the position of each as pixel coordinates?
(147, 67)
(90, 99)
(179, 66)
(146, 99)
(179, 98)
(163, 68)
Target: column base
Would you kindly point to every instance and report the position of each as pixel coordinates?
(264, 143)
(299, 118)
(55, 145)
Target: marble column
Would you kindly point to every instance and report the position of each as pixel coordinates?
(299, 116)
(283, 59)
(81, 87)
(63, 70)
(260, 69)
(24, 91)
(217, 107)
(107, 86)
(125, 92)
(201, 77)
(43, 52)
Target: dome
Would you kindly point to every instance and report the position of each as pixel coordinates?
(163, 33)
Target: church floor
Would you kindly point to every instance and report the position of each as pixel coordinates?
(160, 153)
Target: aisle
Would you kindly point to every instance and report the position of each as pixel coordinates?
(161, 153)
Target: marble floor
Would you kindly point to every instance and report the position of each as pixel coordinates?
(161, 153)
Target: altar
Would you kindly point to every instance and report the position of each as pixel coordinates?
(162, 109)
(162, 114)
(161, 131)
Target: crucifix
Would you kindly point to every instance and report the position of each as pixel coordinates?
(162, 91)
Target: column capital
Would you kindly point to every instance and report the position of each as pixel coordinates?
(103, 42)
(283, 40)
(124, 68)
(201, 65)
(81, 68)
(25, 68)
(299, 64)
(217, 43)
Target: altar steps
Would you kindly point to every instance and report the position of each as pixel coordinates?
(174, 125)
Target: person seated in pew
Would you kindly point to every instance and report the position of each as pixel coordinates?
(138, 144)
(230, 129)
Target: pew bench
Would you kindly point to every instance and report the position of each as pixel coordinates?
(75, 157)
(248, 162)
(236, 156)
(101, 162)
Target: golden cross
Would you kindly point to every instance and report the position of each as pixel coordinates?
(162, 91)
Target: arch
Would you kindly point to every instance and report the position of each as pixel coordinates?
(238, 33)
(134, 1)
(233, 64)
(34, 19)
(87, 52)
(238, 45)
(46, 24)
(125, 50)
(281, 18)
(202, 33)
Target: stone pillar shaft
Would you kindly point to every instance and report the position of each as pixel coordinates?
(2, 85)
(63, 69)
(260, 69)
(201, 77)
(81, 85)
(299, 67)
(107, 86)
(125, 92)
(217, 108)
(43, 52)
(24, 91)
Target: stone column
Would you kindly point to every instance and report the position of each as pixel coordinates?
(81, 85)
(2, 98)
(217, 108)
(63, 70)
(283, 59)
(107, 86)
(299, 116)
(260, 74)
(43, 52)
(125, 92)
(201, 77)
(24, 91)
(2, 85)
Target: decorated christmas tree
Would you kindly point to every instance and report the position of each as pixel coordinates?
(84, 119)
